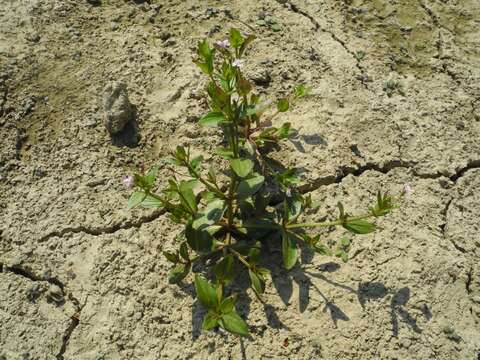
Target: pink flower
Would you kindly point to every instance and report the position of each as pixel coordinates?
(223, 43)
(237, 63)
(128, 181)
(407, 190)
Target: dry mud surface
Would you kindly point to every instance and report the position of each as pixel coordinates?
(83, 278)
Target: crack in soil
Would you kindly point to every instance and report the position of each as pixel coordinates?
(28, 274)
(434, 17)
(444, 213)
(468, 283)
(344, 171)
(75, 318)
(105, 230)
(71, 328)
(289, 5)
(341, 174)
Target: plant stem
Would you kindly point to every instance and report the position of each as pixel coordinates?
(328, 223)
(259, 226)
(240, 257)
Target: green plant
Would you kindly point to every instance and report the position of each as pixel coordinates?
(391, 86)
(227, 215)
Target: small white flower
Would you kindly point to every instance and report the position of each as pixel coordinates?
(408, 190)
(128, 181)
(223, 43)
(237, 63)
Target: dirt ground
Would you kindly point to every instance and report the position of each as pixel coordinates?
(396, 100)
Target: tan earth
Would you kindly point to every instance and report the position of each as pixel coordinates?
(396, 100)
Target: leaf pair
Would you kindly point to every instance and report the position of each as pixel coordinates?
(221, 311)
(205, 57)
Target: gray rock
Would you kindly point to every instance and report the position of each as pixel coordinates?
(55, 294)
(118, 109)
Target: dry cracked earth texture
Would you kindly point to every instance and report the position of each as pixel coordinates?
(396, 99)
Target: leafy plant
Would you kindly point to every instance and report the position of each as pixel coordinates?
(391, 86)
(227, 215)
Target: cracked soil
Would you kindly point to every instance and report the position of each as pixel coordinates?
(396, 100)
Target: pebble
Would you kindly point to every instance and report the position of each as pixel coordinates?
(117, 107)
(34, 291)
(55, 294)
(39, 173)
(114, 26)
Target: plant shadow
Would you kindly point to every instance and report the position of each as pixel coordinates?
(283, 281)
(130, 135)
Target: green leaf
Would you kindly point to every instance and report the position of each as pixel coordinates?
(152, 202)
(212, 119)
(287, 178)
(242, 167)
(345, 242)
(151, 177)
(187, 197)
(250, 186)
(206, 55)
(135, 199)
(342, 255)
(254, 254)
(204, 49)
(195, 163)
(276, 27)
(212, 213)
(212, 175)
(289, 250)
(283, 105)
(236, 38)
(284, 131)
(180, 153)
(171, 256)
(257, 284)
(300, 91)
(233, 323)
(224, 152)
(359, 226)
(206, 293)
(184, 251)
(293, 206)
(227, 305)
(198, 240)
(178, 273)
(210, 320)
(322, 249)
(205, 67)
(224, 269)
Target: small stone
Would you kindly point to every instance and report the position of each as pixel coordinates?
(114, 26)
(39, 173)
(55, 294)
(460, 125)
(77, 55)
(165, 35)
(34, 37)
(118, 109)
(29, 105)
(211, 12)
(34, 291)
